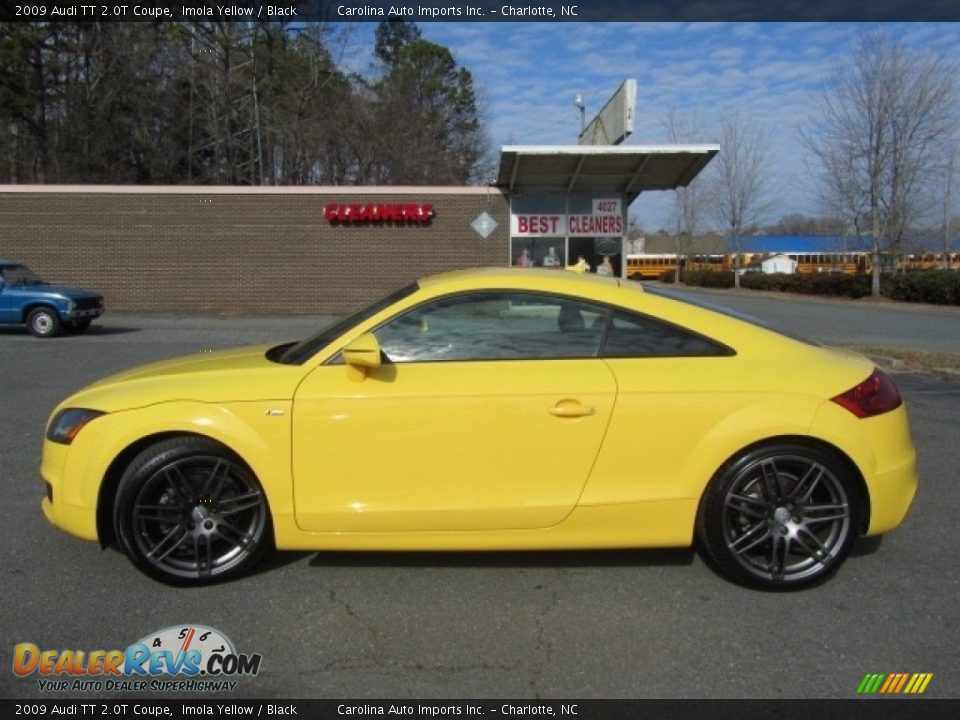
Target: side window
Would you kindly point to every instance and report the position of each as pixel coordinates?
(641, 336)
(495, 326)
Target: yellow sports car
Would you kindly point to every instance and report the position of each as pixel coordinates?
(492, 409)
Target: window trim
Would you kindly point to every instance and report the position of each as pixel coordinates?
(301, 351)
(606, 307)
(724, 349)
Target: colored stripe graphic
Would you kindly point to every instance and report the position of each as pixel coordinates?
(894, 683)
(871, 683)
(918, 683)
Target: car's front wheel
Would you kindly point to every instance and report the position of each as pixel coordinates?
(43, 322)
(190, 512)
(782, 516)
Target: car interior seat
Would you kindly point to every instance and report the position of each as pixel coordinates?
(570, 319)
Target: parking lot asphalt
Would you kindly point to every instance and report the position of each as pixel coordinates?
(619, 624)
(882, 323)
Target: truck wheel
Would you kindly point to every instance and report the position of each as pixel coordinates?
(43, 322)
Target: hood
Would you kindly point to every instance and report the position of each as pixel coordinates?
(60, 290)
(238, 375)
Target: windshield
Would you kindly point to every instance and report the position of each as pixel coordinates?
(299, 352)
(20, 275)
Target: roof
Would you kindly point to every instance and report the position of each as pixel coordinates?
(627, 169)
(813, 244)
(794, 244)
(490, 276)
(98, 189)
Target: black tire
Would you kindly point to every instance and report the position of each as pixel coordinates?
(781, 516)
(42, 322)
(190, 512)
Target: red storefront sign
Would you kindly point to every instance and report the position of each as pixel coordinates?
(572, 225)
(537, 225)
(606, 220)
(378, 212)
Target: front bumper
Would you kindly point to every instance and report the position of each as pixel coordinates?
(78, 521)
(84, 314)
(57, 505)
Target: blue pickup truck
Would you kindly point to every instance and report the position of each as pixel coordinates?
(45, 309)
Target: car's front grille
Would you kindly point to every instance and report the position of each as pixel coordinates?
(93, 303)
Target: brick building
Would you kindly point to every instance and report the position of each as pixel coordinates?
(319, 250)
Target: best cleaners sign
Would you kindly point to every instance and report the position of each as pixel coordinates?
(605, 220)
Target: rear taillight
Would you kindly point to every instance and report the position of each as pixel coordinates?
(874, 396)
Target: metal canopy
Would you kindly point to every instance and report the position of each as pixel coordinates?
(630, 169)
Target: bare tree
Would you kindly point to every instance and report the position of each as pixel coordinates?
(948, 208)
(884, 120)
(636, 236)
(232, 103)
(740, 179)
(799, 224)
(688, 201)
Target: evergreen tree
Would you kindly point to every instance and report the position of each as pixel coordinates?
(429, 104)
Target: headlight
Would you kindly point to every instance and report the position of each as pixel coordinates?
(68, 422)
(71, 306)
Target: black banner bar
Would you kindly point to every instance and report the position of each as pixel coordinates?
(872, 708)
(478, 10)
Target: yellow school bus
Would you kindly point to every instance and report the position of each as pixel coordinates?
(650, 266)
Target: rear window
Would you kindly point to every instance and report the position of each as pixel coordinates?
(631, 335)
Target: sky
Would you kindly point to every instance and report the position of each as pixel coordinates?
(770, 73)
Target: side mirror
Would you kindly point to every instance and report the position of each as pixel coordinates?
(363, 352)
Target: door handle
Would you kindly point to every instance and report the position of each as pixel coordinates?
(571, 409)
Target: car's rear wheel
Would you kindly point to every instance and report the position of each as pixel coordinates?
(782, 516)
(190, 512)
(43, 322)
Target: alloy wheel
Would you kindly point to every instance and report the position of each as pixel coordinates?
(198, 516)
(786, 518)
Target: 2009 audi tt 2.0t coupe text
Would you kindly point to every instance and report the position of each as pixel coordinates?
(492, 409)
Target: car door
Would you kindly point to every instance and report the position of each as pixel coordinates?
(487, 413)
(675, 387)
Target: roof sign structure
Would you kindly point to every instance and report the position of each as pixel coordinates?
(614, 123)
(628, 170)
